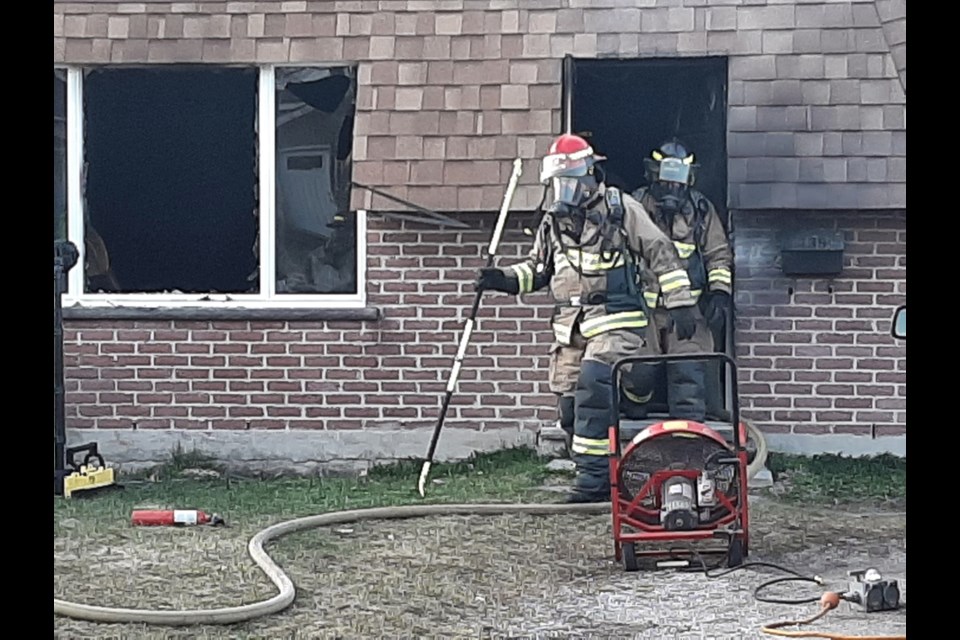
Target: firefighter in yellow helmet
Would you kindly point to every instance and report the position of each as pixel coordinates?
(690, 220)
(589, 248)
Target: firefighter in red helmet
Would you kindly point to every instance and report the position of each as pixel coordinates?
(590, 247)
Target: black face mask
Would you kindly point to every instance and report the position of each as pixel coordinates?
(564, 211)
(670, 196)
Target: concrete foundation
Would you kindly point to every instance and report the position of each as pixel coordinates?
(349, 452)
(837, 444)
(298, 452)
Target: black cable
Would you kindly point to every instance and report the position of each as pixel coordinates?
(793, 577)
(756, 592)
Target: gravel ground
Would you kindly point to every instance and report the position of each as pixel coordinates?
(459, 577)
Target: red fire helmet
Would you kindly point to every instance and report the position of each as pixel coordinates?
(569, 156)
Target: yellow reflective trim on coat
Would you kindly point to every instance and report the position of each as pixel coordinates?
(673, 280)
(632, 397)
(592, 262)
(525, 276)
(590, 446)
(720, 275)
(653, 299)
(562, 333)
(622, 320)
(684, 249)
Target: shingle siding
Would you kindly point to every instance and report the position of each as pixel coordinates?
(800, 73)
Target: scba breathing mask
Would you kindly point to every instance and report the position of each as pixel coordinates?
(574, 191)
(572, 179)
(670, 169)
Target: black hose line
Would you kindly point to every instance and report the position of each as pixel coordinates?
(795, 576)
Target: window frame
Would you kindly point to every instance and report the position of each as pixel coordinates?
(267, 298)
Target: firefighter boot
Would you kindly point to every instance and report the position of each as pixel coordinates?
(591, 443)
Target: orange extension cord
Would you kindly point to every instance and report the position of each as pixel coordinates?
(828, 601)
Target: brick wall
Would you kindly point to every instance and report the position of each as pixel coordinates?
(816, 356)
(329, 375)
(817, 360)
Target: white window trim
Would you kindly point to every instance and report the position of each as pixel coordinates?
(266, 162)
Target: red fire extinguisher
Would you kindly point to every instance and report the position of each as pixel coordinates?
(173, 517)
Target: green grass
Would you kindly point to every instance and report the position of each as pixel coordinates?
(512, 475)
(834, 479)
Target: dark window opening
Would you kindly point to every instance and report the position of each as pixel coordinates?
(170, 180)
(316, 234)
(626, 108)
(59, 154)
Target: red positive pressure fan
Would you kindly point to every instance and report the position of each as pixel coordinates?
(679, 482)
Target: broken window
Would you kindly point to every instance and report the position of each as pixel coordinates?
(59, 154)
(315, 234)
(172, 163)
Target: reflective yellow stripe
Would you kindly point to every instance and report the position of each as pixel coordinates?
(719, 275)
(525, 275)
(638, 399)
(592, 262)
(562, 333)
(685, 250)
(653, 299)
(622, 320)
(590, 446)
(673, 280)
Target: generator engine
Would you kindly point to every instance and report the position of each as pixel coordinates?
(686, 501)
(679, 500)
(684, 473)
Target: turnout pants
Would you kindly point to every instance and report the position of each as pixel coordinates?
(686, 384)
(581, 375)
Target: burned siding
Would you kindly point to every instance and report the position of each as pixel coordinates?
(451, 91)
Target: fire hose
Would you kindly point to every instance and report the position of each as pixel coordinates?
(759, 460)
(287, 591)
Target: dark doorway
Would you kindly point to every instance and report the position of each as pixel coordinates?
(627, 107)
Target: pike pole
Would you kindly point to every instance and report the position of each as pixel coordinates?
(468, 326)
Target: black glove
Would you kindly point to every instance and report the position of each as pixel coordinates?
(493, 279)
(685, 322)
(718, 303)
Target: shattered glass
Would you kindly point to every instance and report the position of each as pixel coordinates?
(316, 233)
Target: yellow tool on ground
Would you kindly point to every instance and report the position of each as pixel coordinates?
(86, 476)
